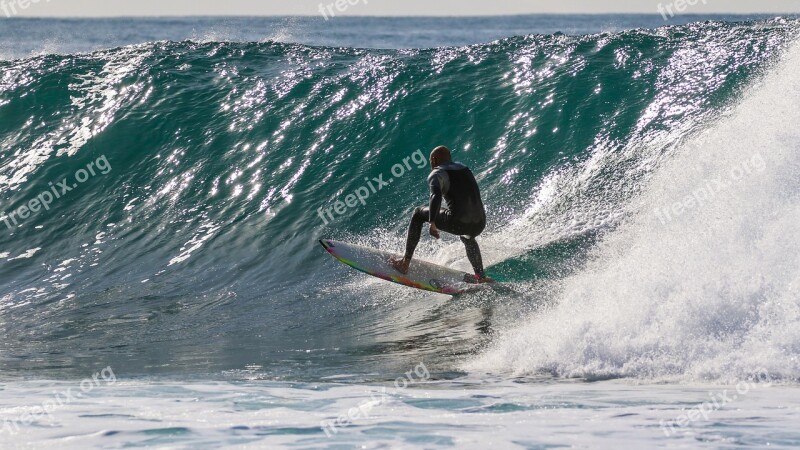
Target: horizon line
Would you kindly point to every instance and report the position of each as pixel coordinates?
(397, 16)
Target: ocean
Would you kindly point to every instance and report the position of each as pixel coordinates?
(161, 183)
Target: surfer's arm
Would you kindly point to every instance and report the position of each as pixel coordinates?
(438, 184)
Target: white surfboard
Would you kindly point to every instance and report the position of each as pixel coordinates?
(421, 274)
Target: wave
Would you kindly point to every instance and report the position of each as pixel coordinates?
(196, 249)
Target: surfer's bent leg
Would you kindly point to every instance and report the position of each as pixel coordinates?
(474, 254)
(444, 222)
(415, 230)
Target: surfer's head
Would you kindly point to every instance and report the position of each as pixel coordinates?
(439, 156)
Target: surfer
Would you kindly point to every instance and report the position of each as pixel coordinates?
(463, 214)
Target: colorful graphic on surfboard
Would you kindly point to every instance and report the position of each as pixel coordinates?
(421, 274)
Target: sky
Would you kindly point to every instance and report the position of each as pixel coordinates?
(44, 8)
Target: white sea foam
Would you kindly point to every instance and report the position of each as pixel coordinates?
(432, 414)
(709, 290)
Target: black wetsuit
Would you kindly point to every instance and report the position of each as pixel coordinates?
(463, 214)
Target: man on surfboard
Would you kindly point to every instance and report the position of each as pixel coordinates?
(463, 214)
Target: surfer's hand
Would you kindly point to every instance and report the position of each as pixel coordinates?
(434, 231)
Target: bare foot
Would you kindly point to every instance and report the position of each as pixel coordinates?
(477, 279)
(400, 264)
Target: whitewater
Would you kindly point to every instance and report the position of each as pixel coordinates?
(704, 291)
(641, 186)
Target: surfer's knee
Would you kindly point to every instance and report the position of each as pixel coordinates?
(420, 214)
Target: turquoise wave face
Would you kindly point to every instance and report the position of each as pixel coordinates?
(190, 245)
